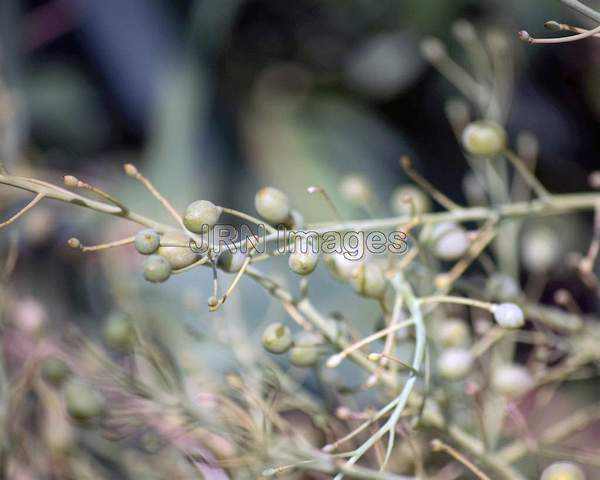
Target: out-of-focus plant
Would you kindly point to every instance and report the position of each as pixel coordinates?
(450, 393)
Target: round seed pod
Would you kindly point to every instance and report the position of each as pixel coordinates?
(305, 352)
(55, 371)
(501, 286)
(230, 262)
(508, 315)
(119, 332)
(369, 280)
(157, 269)
(303, 263)
(277, 338)
(272, 204)
(541, 249)
(512, 380)
(355, 189)
(484, 138)
(83, 403)
(400, 206)
(201, 216)
(455, 363)
(448, 241)
(563, 471)
(453, 333)
(339, 266)
(179, 256)
(147, 241)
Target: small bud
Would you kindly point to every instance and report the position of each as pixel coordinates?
(553, 26)
(130, 169)
(524, 36)
(147, 241)
(406, 195)
(334, 360)
(455, 363)
(277, 338)
(484, 138)
(432, 49)
(71, 181)
(212, 301)
(272, 204)
(201, 215)
(508, 315)
(563, 471)
(74, 243)
(83, 403)
(369, 280)
(374, 357)
(356, 189)
(157, 269)
(512, 380)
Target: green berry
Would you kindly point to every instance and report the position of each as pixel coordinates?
(355, 189)
(230, 262)
(201, 215)
(272, 204)
(305, 352)
(453, 332)
(179, 255)
(157, 269)
(147, 241)
(119, 332)
(449, 241)
(303, 263)
(277, 338)
(339, 266)
(405, 196)
(369, 280)
(563, 471)
(484, 138)
(83, 403)
(508, 315)
(55, 371)
(455, 363)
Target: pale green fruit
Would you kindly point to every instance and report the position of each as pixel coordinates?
(272, 205)
(201, 216)
(303, 263)
(512, 380)
(55, 371)
(119, 332)
(179, 256)
(147, 241)
(369, 280)
(305, 352)
(277, 338)
(400, 206)
(484, 138)
(83, 402)
(157, 269)
(563, 471)
(455, 363)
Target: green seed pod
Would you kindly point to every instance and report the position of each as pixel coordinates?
(157, 269)
(230, 262)
(119, 332)
(355, 189)
(272, 204)
(508, 315)
(277, 338)
(453, 333)
(339, 266)
(305, 352)
(455, 363)
(178, 256)
(512, 380)
(83, 403)
(55, 371)
(448, 241)
(303, 263)
(400, 206)
(201, 215)
(484, 138)
(369, 280)
(147, 241)
(563, 471)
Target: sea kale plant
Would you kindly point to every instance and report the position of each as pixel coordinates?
(461, 352)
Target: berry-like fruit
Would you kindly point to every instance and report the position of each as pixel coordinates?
(339, 266)
(303, 263)
(119, 332)
(355, 189)
(449, 241)
(277, 338)
(230, 262)
(541, 249)
(305, 352)
(453, 332)
(369, 280)
(455, 363)
(272, 204)
(83, 403)
(484, 138)
(147, 241)
(405, 196)
(157, 269)
(55, 371)
(179, 255)
(563, 471)
(512, 380)
(508, 315)
(201, 216)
